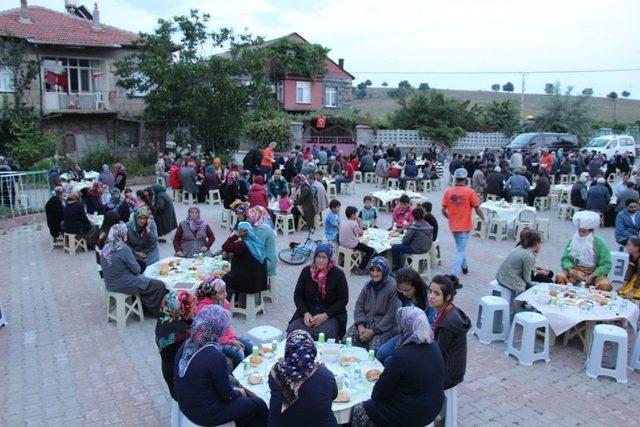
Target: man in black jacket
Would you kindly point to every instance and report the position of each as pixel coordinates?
(495, 183)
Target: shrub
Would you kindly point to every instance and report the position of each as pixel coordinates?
(30, 144)
(97, 155)
(265, 131)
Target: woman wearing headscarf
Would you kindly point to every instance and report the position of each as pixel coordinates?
(242, 214)
(119, 204)
(211, 180)
(305, 200)
(172, 329)
(302, 391)
(122, 272)
(120, 180)
(93, 201)
(201, 379)
(106, 177)
(54, 211)
(142, 237)
(258, 193)
(259, 217)
(321, 296)
(76, 221)
(410, 390)
(164, 213)
(193, 236)
(231, 191)
(111, 218)
(375, 307)
(248, 273)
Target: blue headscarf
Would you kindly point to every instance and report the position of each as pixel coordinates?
(324, 247)
(255, 246)
(381, 263)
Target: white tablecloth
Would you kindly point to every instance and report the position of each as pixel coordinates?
(379, 239)
(510, 213)
(563, 317)
(560, 187)
(184, 277)
(360, 390)
(391, 195)
(96, 219)
(87, 175)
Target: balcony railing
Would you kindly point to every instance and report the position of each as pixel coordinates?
(95, 101)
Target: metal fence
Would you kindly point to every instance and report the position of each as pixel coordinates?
(23, 193)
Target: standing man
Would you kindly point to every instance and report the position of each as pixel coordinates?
(457, 203)
(268, 157)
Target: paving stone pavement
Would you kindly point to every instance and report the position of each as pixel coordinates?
(63, 364)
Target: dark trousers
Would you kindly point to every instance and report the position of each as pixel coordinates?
(368, 253)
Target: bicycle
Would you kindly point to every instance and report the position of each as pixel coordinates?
(298, 253)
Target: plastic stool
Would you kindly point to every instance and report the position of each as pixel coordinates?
(564, 211)
(434, 252)
(521, 225)
(370, 177)
(348, 259)
(226, 218)
(349, 188)
(381, 181)
(634, 363)
(271, 291)
(285, 223)
(497, 229)
(331, 190)
(517, 199)
(493, 197)
(436, 184)
(264, 334)
(602, 334)
(416, 261)
(71, 243)
(160, 180)
(530, 322)
(554, 199)
(489, 326)
(411, 186)
(479, 227)
(357, 177)
(451, 411)
(425, 185)
(214, 197)
(564, 179)
(542, 203)
(187, 198)
(176, 194)
(573, 210)
(542, 227)
(564, 197)
(253, 304)
(393, 184)
(124, 306)
(498, 290)
(619, 265)
(233, 219)
(573, 178)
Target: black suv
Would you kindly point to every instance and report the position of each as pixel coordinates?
(543, 140)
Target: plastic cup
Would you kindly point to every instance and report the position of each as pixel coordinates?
(321, 338)
(349, 342)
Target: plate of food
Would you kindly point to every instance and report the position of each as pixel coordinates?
(373, 375)
(358, 352)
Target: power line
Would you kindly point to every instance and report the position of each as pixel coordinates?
(610, 70)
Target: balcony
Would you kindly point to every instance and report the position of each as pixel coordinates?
(76, 102)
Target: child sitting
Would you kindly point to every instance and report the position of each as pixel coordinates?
(395, 171)
(368, 214)
(402, 213)
(332, 223)
(213, 290)
(349, 237)
(428, 216)
(285, 202)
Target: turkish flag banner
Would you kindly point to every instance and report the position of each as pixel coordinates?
(321, 122)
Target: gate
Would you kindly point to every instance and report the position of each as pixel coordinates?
(334, 135)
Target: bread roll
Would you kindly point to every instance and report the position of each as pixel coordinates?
(343, 396)
(373, 374)
(255, 361)
(348, 360)
(164, 269)
(256, 379)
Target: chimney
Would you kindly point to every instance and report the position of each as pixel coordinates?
(24, 13)
(341, 62)
(70, 4)
(96, 18)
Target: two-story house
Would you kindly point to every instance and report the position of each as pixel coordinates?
(75, 91)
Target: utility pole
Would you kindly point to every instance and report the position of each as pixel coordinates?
(522, 87)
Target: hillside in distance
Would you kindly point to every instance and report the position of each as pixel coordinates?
(379, 104)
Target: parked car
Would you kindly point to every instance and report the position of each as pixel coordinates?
(543, 140)
(609, 145)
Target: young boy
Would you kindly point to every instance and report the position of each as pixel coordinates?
(417, 239)
(368, 214)
(402, 213)
(349, 234)
(428, 216)
(332, 223)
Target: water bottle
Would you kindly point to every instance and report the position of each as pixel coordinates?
(349, 342)
(321, 338)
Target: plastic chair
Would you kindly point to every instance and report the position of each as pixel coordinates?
(71, 243)
(348, 259)
(529, 322)
(602, 334)
(253, 304)
(492, 323)
(285, 223)
(123, 306)
(525, 219)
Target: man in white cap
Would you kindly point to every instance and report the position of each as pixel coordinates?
(586, 257)
(457, 203)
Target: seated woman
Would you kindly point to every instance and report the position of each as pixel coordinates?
(201, 378)
(119, 204)
(375, 308)
(122, 272)
(76, 221)
(259, 217)
(193, 236)
(631, 288)
(242, 211)
(93, 200)
(302, 390)
(111, 218)
(248, 273)
(172, 329)
(213, 290)
(412, 292)
(142, 237)
(321, 296)
(409, 391)
(54, 210)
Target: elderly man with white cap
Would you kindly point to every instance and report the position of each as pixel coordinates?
(457, 203)
(586, 257)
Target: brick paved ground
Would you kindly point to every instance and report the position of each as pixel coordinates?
(64, 365)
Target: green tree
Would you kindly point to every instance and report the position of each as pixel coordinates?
(202, 98)
(368, 83)
(587, 91)
(385, 84)
(549, 88)
(424, 86)
(508, 87)
(613, 96)
(360, 93)
(404, 84)
(625, 94)
(500, 116)
(565, 113)
(264, 131)
(495, 87)
(362, 85)
(288, 56)
(442, 119)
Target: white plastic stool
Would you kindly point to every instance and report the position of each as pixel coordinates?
(564, 179)
(565, 196)
(619, 265)
(564, 211)
(331, 190)
(214, 197)
(187, 198)
(285, 223)
(418, 262)
(529, 322)
(186, 422)
(357, 177)
(264, 334)
(233, 219)
(348, 259)
(226, 218)
(554, 199)
(393, 183)
(498, 290)
(381, 181)
(492, 323)
(634, 363)
(517, 199)
(479, 227)
(176, 195)
(436, 184)
(349, 187)
(71, 243)
(253, 305)
(542, 203)
(425, 185)
(411, 186)
(602, 334)
(435, 254)
(573, 178)
(271, 289)
(497, 229)
(370, 177)
(493, 197)
(451, 411)
(123, 306)
(542, 227)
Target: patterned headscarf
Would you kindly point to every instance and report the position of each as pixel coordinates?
(381, 263)
(319, 275)
(258, 215)
(175, 318)
(210, 286)
(206, 329)
(119, 167)
(300, 180)
(116, 239)
(141, 211)
(255, 246)
(413, 326)
(242, 209)
(198, 223)
(298, 365)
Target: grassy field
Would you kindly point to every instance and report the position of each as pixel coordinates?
(379, 104)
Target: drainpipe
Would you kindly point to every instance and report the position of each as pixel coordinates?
(40, 79)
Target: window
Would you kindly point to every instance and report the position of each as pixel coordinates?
(280, 91)
(6, 79)
(73, 75)
(303, 92)
(331, 97)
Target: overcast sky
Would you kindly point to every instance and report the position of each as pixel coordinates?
(404, 37)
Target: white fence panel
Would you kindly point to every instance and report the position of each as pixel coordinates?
(412, 139)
